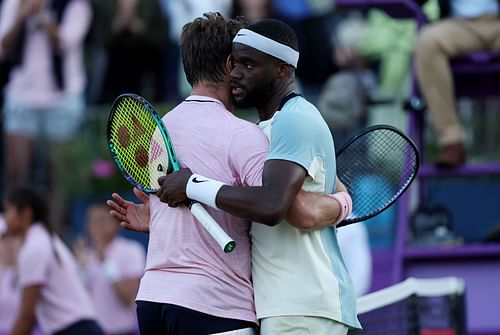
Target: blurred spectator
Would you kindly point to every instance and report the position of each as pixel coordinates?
(252, 10)
(112, 267)
(355, 248)
(465, 27)
(9, 289)
(342, 98)
(133, 33)
(52, 293)
(43, 41)
(180, 12)
(311, 20)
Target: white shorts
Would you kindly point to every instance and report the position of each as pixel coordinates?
(58, 122)
(301, 325)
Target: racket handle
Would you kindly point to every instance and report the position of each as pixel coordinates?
(212, 227)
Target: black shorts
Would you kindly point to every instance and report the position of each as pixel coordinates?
(166, 319)
(83, 327)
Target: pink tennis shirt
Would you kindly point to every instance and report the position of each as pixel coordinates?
(63, 300)
(127, 258)
(185, 266)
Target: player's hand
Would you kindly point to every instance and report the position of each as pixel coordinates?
(173, 187)
(132, 216)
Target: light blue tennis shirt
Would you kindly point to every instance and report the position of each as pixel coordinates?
(299, 272)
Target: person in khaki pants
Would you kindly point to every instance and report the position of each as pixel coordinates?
(466, 26)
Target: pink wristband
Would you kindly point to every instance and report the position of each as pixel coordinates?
(345, 202)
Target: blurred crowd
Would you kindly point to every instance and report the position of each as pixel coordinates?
(97, 282)
(63, 55)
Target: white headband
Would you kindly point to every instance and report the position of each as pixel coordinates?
(268, 46)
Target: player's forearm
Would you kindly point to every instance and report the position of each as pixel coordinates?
(26, 316)
(23, 325)
(258, 204)
(311, 211)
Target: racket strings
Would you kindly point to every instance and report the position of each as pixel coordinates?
(136, 143)
(387, 167)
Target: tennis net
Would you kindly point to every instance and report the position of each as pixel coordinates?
(415, 307)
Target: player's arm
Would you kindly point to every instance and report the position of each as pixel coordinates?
(311, 210)
(25, 320)
(267, 204)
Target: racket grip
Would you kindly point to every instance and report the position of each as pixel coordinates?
(212, 227)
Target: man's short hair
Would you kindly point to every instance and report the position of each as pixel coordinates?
(276, 30)
(205, 45)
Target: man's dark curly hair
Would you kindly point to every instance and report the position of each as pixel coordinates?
(205, 45)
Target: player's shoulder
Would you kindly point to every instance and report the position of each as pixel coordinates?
(298, 114)
(299, 105)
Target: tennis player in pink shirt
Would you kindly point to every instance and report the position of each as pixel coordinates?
(52, 293)
(190, 285)
(112, 267)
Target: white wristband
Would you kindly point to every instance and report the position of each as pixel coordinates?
(203, 189)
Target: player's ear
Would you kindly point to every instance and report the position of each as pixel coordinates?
(284, 70)
(229, 64)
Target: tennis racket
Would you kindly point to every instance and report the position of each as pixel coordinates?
(376, 165)
(142, 150)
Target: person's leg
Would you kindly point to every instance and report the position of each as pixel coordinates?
(62, 124)
(20, 124)
(301, 325)
(436, 44)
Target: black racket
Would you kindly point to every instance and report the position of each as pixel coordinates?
(376, 165)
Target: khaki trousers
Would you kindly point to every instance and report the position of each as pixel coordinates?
(436, 44)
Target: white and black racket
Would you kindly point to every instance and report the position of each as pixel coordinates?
(376, 165)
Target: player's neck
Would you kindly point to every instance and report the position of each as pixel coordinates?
(217, 91)
(270, 107)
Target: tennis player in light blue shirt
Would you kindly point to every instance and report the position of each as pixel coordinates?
(301, 284)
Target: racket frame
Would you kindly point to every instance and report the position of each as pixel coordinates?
(363, 132)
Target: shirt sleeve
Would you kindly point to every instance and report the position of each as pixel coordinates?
(247, 154)
(34, 261)
(292, 140)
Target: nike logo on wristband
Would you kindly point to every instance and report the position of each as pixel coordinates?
(195, 180)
